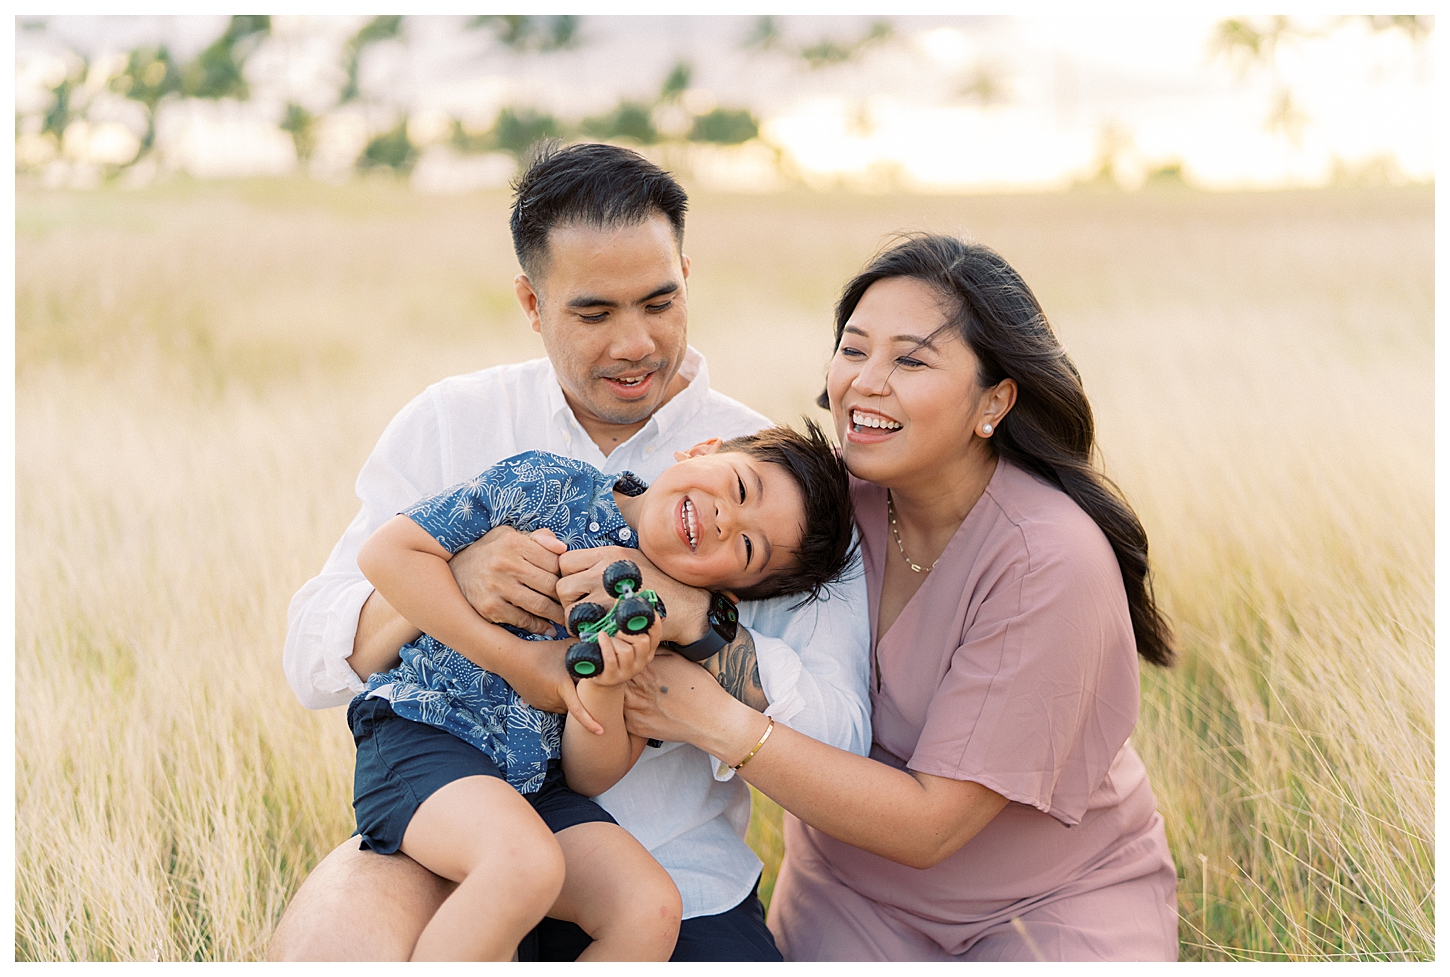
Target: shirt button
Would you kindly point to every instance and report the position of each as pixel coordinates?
(594, 527)
(650, 450)
(625, 533)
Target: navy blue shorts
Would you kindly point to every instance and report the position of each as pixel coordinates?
(737, 935)
(401, 763)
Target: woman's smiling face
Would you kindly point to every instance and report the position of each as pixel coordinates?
(903, 385)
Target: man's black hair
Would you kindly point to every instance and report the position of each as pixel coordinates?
(827, 545)
(594, 184)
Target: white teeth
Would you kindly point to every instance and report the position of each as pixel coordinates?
(873, 420)
(692, 527)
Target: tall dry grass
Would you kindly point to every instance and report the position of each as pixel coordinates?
(202, 369)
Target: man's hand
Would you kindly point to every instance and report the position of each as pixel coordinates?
(538, 675)
(582, 578)
(510, 578)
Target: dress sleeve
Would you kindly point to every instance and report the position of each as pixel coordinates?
(1042, 692)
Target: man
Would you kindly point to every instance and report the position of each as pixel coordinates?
(598, 231)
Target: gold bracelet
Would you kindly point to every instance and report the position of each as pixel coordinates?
(763, 737)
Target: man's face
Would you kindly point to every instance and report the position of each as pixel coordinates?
(610, 309)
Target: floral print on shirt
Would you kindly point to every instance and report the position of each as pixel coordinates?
(440, 687)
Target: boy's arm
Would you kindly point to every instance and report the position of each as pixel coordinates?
(409, 568)
(592, 762)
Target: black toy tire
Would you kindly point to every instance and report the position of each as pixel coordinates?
(634, 615)
(583, 660)
(585, 613)
(617, 574)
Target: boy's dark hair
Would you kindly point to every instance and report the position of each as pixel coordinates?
(827, 544)
(595, 184)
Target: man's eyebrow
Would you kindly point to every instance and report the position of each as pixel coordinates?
(596, 302)
(668, 288)
(591, 302)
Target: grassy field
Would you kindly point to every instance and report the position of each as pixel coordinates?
(201, 370)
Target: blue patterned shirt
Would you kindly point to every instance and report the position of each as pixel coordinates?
(437, 685)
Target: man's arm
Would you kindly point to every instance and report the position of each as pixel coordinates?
(339, 631)
(814, 661)
(737, 669)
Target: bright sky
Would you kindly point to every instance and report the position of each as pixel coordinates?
(895, 116)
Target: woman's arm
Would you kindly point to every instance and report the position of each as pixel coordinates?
(912, 818)
(595, 762)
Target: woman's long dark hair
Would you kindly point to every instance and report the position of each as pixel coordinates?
(1049, 431)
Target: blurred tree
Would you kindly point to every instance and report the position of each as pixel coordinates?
(765, 34)
(471, 142)
(676, 81)
(726, 127)
(149, 77)
(217, 71)
(1416, 26)
(518, 129)
(627, 120)
(378, 29)
(1253, 43)
(393, 149)
(1114, 144)
(987, 84)
(524, 33)
(301, 125)
(828, 51)
(61, 109)
(1246, 43)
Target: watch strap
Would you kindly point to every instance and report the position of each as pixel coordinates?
(724, 624)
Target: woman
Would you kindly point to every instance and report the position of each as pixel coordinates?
(1002, 814)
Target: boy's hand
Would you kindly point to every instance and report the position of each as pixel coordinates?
(541, 680)
(626, 655)
(582, 578)
(510, 578)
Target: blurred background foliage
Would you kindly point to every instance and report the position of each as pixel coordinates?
(73, 132)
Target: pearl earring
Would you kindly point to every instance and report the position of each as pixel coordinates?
(987, 429)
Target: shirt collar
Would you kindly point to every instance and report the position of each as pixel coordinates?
(661, 425)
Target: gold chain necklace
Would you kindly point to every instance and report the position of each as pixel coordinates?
(891, 511)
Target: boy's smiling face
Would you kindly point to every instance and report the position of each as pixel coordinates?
(718, 520)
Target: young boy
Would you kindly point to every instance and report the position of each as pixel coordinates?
(458, 772)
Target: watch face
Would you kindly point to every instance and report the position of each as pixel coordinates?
(724, 618)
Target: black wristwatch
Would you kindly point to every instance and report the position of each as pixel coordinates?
(724, 622)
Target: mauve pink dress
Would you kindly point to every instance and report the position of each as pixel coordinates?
(1013, 666)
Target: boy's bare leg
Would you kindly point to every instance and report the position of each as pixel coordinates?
(358, 905)
(483, 834)
(617, 893)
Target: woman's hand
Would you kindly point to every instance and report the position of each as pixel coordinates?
(676, 700)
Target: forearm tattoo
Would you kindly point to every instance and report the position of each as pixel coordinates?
(738, 671)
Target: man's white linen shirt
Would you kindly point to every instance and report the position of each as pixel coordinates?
(813, 661)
